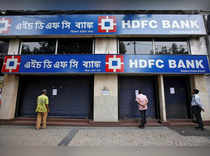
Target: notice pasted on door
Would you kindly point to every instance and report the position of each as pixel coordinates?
(172, 90)
(54, 92)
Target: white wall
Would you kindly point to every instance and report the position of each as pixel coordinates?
(202, 82)
(106, 86)
(10, 87)
(198, 46)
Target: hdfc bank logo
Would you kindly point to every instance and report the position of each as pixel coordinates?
(107, 24)
(114, 63)
(11, 64)
(5, 24)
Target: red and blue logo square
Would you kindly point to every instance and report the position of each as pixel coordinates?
(107, 24)
(5, 24)
(11, 64)
(114, 63)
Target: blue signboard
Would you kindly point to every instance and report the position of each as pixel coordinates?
(88, 24)
(152, 64)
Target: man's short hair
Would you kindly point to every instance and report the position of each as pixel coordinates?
(196, 91)
(44, 91)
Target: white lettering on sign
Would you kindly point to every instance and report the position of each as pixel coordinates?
(47, 63)
(151, 63)
(141, 63)
(139, 24)
(84, 25)
(73, 63)
(153, 24)
(187, 24)
(166, 24)
(33, 64)
(133, 64)
(159, 63)
(92, 64)
(194, 24)
(60, 64)
(65, 24)
(53, 25)
(199, 63)
(25, 25)
(39, 25)
(194, 64)
(181, 64)
(190, 64)
(172, 63)
(126, 24)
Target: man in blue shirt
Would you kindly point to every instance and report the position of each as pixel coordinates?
(197, 107)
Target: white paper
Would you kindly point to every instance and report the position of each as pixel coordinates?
(136, 92)
(105, 92)
(54, 92)
(172, 91)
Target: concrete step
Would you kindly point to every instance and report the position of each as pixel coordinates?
(87, 122)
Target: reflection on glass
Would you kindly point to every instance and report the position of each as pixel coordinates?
(171, 47)
(4, 45)
(126, 47)
(144, 47)
(75, 46)
(38, 47)
(135, 47)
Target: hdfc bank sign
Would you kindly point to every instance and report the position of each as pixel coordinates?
(84, 63)
(88, 24)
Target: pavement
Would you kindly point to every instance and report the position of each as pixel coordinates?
(104, 139)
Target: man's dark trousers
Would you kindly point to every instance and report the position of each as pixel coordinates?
(143, 117)
(196, 110)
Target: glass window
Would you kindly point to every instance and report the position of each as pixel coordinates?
(4, 46)
(171, 47)
(144, 47)
(75, 46)
(38, 46)
(135, 47)
(126, 47)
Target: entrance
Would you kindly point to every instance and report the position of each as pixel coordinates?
(177, 97)
(127, 99)
(69, 96)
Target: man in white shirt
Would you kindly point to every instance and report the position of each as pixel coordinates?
(197, 107)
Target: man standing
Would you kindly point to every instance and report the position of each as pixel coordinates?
(142, 103)
(42, 109)
(197, 107)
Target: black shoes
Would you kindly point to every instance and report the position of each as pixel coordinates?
(194, 121)
(201, 128)
(141, 126)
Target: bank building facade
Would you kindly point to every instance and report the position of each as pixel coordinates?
(93, 64)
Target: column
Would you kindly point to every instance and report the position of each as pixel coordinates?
(201, 82)
(10, 87)
(105, 86)
(162, 98)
